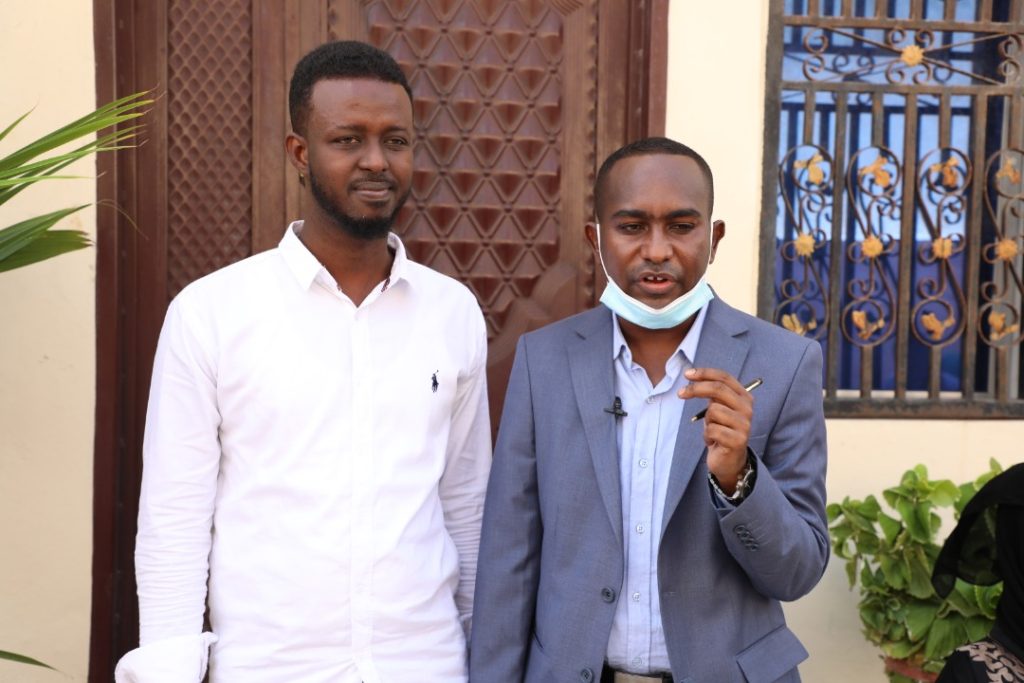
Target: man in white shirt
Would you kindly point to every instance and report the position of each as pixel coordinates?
(317, 442)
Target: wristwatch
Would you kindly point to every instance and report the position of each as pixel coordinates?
(744, 483)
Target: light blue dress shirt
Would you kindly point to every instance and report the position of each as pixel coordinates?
(646, 439)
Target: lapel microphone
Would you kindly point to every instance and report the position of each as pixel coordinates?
(616, 408)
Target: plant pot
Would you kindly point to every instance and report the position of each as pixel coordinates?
(910, 670)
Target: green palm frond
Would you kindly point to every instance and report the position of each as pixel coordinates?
(22, 659)
(34, 240)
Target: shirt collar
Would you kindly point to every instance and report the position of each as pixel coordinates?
(688, 346)
(306, 268)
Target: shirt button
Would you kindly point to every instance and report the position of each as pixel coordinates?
(643, 462)
(650, 399)
(637, 661)
(636, 597)
(639, 528)
(608, 595)
(586, 675)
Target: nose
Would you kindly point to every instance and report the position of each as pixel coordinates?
(374, 158)
(656, 247)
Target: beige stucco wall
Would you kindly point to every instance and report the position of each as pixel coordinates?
(47, 368)
(716, 104)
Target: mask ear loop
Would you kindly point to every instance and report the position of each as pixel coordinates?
(600, 255)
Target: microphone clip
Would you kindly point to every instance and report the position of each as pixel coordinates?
(616, 408)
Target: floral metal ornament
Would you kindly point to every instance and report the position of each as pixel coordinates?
(998, 327)
(804, 245)
(912, 55)
(948, 173)
(792, 322)
(942, 247)
(935, 326)
(865, 326)
(1006, 249)
(872, 247)
(877, 171)
(815, 172)
(1009, 171)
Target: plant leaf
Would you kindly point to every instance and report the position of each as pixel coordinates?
(11, 127)
(944, 636)
(944, 494)
(22, 659)
(14, 237)
(111, 114)
(46, 245)
(891, 527)
(920, 616)
(919, 574)
(869, 508)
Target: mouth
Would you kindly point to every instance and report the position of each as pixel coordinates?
(373, 191)
(656, 284)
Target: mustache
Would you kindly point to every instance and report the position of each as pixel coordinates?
(375, 178)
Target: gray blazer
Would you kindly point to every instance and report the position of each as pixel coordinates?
(551, 556)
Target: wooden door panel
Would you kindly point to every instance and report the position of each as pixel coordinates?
(505, 100)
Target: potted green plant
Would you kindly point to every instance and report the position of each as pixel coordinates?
(890, 552)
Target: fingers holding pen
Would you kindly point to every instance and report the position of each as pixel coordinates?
(727, 418)
(721, 390)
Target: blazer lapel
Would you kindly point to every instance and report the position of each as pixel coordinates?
(723, 344)
(590, 361)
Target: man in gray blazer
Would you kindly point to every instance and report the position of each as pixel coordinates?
(627, 536)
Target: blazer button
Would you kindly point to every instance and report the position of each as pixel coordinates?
(586, 675)
(608, 595)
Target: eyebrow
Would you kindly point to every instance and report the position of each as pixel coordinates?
(339, 127)
(639, 213)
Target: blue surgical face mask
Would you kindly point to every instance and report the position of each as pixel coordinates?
(639, 313)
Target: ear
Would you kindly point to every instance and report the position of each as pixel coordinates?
(590, 233)
(717, 233)
(298, 151)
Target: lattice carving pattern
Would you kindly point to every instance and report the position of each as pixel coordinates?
(209, 137)
(487, 101)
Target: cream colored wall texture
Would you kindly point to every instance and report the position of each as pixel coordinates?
(716, 104)
(47, 366)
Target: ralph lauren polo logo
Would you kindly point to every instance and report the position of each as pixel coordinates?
(434, 384)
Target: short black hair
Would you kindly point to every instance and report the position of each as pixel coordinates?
(339, 59)
(646, 146)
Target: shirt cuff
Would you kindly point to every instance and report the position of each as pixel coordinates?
(173, 660)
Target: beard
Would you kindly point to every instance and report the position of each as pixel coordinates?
(357, 226)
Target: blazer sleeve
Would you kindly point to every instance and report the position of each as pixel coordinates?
(509, 561)
(779, 534)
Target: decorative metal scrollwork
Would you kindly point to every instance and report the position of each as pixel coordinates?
(943, 180)
(999, 317)
(874, 187)
(807, 171)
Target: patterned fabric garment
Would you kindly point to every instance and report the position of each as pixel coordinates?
(985, 661)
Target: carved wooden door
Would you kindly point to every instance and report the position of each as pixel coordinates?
(516, 103)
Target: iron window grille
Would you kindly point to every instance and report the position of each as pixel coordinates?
(893, 208)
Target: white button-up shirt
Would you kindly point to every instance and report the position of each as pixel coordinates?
(646, 440)
(326, 464)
